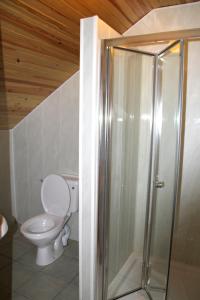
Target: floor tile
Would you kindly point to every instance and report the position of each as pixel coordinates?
(42, 287)
(19, 237)
(29, 260)
(71, 292)
(71, 249)
(19, 297)
(16, 249)
(15, 274)
(65, 268)
(22, 279)
(76, 280)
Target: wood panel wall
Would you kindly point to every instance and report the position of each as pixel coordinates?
(39, 47)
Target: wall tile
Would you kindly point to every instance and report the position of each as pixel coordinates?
(46, 142)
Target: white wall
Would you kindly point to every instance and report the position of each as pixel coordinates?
(169, 18)
(45, 142)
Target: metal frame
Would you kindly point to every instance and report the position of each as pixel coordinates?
(180, 129)
(103, 191)
(104, 163)
(161, 37)
(134, 50)
(126, 294)
(156, 149)
(149, 209)
(108, 133)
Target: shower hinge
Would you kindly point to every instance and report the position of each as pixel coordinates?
(159, 184)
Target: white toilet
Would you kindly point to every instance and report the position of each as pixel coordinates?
(49, 231)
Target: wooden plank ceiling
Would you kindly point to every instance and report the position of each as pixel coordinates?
(40, 45)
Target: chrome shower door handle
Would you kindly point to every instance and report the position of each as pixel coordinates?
(159, 184)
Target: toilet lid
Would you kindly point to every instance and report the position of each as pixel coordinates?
(55, 195)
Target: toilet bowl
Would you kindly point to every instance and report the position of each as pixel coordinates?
(49, 231)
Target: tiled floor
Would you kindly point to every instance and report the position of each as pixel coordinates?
(22, 279)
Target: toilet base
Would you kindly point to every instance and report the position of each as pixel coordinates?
(47, 255)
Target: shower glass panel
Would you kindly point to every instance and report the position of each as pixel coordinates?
(131, 97)
(165, 169)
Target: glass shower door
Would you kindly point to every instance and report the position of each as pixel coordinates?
(143, 110)
(131, 98)
(165, 172)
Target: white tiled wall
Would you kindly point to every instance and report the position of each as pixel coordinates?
(44, 142)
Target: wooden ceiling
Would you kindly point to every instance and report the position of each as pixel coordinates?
(40, 45)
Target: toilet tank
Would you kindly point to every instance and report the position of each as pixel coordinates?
(73, 186)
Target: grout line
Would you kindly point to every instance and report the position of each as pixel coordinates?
(19, 290)
(68, 284)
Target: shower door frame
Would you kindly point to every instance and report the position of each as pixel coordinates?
(154, 167)
(104, 139)
(105, 164)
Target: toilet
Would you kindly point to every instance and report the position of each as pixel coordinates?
(49, 231)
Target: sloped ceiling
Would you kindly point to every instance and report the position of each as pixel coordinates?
(40, 45)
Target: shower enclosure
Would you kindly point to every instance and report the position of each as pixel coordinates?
(139, 166)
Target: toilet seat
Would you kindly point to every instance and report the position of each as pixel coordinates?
(42, 226)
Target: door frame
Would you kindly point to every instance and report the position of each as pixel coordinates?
(105, 165)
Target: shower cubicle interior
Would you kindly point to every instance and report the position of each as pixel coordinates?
(142, 147)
